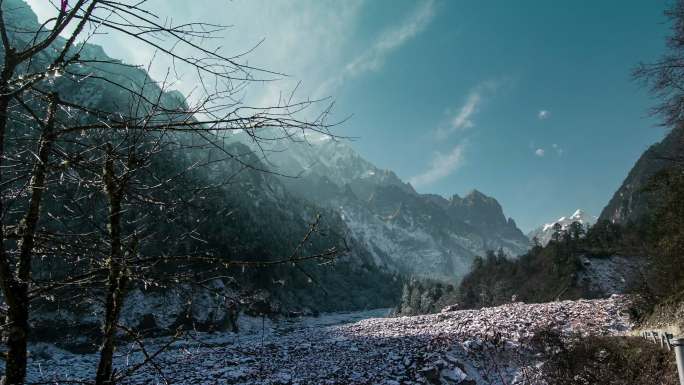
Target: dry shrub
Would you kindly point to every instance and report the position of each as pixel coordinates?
(608, 360)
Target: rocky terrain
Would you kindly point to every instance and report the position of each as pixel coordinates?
(487, 346)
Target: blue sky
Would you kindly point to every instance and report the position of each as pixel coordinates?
(528, 101)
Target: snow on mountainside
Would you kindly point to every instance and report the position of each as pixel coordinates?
(316, 154)
(419, 234)
(545, 232)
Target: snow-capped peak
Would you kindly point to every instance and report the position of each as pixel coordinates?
(545, 232)
(579, 214)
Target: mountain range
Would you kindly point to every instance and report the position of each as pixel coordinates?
(422, 235)
(392, 231)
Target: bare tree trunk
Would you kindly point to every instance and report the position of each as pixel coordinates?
(117, 275)
(15, 286)
(17, 315)
(15, 367)
(27, 227)
(17, 336)
(17, 289)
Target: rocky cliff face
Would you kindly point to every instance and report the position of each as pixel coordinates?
(417, 234)
(632, 201)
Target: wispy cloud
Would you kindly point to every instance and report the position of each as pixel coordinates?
(442, 166)
(373, 58)
(543, 114)
(463, 117)
(540, 152)
(315, 43)
(309, 41)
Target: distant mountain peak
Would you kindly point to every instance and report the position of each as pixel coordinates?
(578, 213)
(477, 195)
(544, 233)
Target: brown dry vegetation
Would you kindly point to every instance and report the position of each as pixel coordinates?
(608, 361)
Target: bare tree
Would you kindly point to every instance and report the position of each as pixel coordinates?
(665, 185)
(665, 77)
(53, 142)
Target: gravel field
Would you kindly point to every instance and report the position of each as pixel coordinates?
(487, 346)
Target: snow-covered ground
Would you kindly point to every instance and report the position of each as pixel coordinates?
(488, 346)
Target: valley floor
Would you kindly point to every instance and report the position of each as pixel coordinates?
(487, 346)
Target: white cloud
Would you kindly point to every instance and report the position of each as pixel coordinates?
(543, 114)
(442, 166)
(540, 152)
(462, 119)
(314, 43)
(373, 58)
(306, 40)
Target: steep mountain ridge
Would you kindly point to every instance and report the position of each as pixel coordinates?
(425, 235)
(633, 200)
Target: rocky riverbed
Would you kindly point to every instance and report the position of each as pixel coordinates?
(487, 346)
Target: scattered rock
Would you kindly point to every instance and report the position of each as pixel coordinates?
(453, 376)
(455, 347)
(431, 374)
